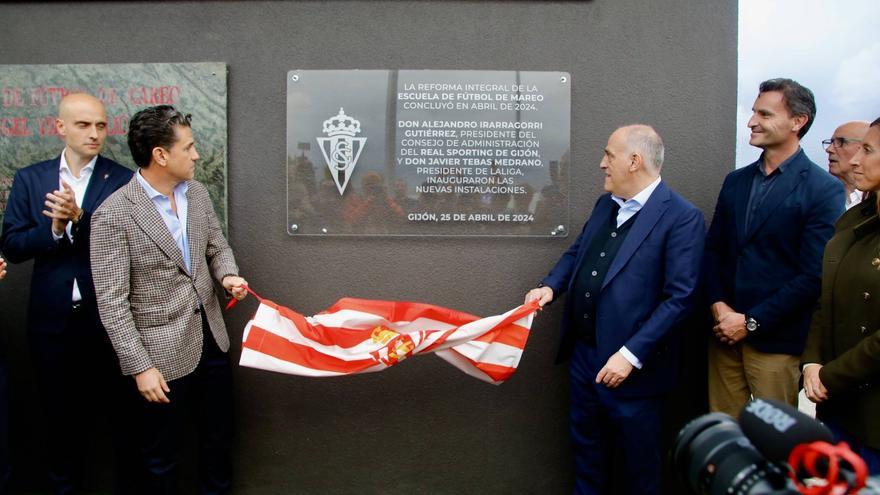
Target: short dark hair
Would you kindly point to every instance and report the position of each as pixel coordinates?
(797, 98)
(876, 123)
(151, 128)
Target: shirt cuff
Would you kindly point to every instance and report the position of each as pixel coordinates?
(808, 364)
(633, 360)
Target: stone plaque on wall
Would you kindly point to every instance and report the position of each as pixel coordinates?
(428, 152)
(29, 97)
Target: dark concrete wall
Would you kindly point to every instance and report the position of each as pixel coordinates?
(423, 427)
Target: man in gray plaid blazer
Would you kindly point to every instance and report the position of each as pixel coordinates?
(156, 250)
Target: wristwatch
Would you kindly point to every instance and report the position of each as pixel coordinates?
(751, 324)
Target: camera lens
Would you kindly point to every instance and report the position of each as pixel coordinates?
(716, 458)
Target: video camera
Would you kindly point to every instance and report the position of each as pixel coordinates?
(774, 449)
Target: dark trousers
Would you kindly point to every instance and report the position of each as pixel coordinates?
(605, 425)
(81, 388)
(206, 392)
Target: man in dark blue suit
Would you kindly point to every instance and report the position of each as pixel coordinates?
(631, 277)
(47, 220)
(764, 254)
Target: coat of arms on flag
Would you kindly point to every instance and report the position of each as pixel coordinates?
(361, 336)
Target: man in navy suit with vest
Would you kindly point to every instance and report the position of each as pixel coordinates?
(47, 220)
(764, 254)
(631, 276)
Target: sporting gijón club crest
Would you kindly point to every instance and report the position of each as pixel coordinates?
(341, 148)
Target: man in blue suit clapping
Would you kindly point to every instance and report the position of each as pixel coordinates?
(631, 276)
(47, 220)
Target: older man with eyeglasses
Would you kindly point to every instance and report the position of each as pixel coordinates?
(840, 148)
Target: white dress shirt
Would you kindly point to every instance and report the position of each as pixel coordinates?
(854, 198)
(79, 186)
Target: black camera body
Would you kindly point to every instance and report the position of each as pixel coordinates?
(714, 456)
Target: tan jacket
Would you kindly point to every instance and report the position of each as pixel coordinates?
(148, 302)
(845, 332)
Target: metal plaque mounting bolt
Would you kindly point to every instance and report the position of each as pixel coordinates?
(294, 78)
(559, 230)
(294, 227)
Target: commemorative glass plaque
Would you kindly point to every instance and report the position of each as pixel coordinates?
(428, 152)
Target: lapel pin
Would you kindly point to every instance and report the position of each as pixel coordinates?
(106, 176)
(876, 263)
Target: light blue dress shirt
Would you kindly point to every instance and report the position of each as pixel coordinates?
(629, 207)
(176, 223)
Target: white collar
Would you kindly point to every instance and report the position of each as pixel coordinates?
(182, 187)
(89, 166)
(641, 197)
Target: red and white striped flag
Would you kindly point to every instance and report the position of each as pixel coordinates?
(361, 336)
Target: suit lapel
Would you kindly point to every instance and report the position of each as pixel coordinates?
(49, 181)
(145, 215)
(194, 229)
(96, 185)
(847, 235)
(644, 223)
(782, 188)
(836, 247)
(741, 190)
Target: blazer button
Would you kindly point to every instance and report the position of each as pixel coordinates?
(586, 316)
(866, 295)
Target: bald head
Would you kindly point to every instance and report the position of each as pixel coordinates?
(73, 103)
(632, 161)
(643, 140)
(844, 145)
(82, 124)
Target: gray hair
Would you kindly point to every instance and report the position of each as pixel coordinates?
(645, 141)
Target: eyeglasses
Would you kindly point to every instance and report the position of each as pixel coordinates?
(839, 142)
